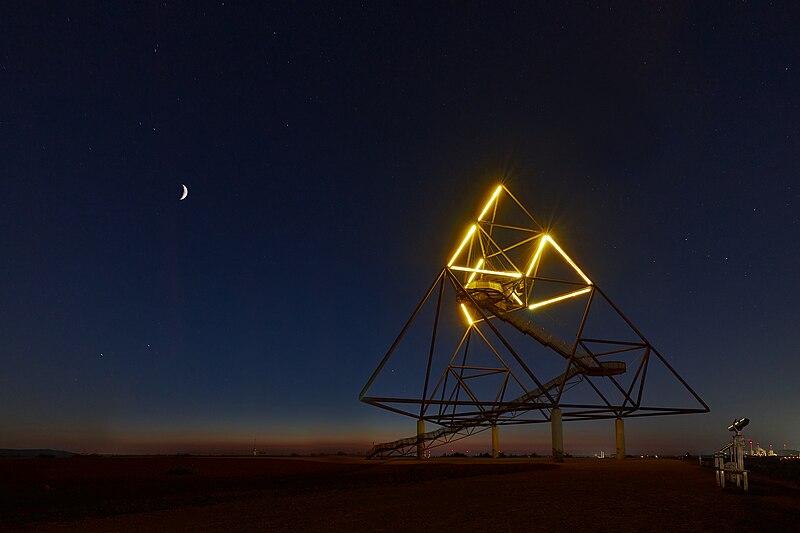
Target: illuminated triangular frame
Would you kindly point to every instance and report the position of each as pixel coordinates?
(472, 250)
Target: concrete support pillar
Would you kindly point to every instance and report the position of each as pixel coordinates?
(619, 426)
(557, 434)
(420, 439)
(495, 443)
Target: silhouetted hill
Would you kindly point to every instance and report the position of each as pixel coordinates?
(5, 452)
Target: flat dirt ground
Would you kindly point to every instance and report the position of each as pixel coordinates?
(168, 493)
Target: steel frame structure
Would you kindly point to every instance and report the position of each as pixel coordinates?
(496, 275)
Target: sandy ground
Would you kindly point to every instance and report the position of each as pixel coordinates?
(345, 494)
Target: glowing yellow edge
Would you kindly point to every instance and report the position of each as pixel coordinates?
(536, 255)
(578, 270)
(477, 266)
(466, 313)
(516, 298)
(559, 298)
(463, 243)
(489, 203)
(490, 272)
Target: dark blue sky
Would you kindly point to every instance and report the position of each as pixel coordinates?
(334, 154)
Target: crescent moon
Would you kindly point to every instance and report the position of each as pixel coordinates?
(185, 192)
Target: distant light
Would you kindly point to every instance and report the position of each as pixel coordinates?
(559, 298)
(489, 203)
(463, 243)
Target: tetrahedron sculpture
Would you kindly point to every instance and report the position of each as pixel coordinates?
(513, 331)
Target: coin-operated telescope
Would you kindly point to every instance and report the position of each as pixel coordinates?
(738, 424)
(733, 469)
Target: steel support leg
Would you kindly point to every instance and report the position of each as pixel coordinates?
(420, 439)
(619, 426)
(495, 443)
(557, 434)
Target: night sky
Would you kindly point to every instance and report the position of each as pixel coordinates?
(334, 156)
